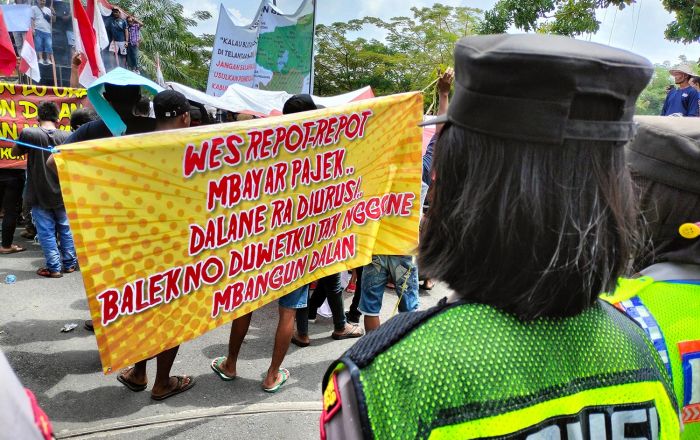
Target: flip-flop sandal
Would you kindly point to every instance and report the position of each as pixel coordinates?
(13, 250)
(216, 367)
(70, 269)
(355, 331)
(46, 273)
(129, 384)
(423, 285)
(284, 374)
(180, 388)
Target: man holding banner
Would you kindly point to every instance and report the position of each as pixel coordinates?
(172, 112)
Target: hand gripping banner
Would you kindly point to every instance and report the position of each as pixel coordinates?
(179, 232)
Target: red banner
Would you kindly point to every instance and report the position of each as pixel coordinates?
(18, 110)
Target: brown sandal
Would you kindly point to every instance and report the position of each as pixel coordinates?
(350, 331)
(13, 249)
(45, 272)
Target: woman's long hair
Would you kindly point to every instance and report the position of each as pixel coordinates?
(532, 229)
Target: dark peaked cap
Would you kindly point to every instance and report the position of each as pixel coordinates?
(522, 87)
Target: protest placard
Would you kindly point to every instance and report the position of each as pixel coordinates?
(18, 110)
(179, 232)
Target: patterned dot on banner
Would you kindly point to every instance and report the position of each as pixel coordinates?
(162, 218)
(158, 251)
(143, 222)
(198, 208)
(147, 187)
(109, 219)
(159, 196)
(177, 191)
(146, 243)
(173, 226)
(166, 239)
(134, 236)
(125, 249)
(108, 276)
(99, 172)
(94, 209)
(155, 231)
(112, 182)
(150, 209)
(121, 228)
(67, 191)
(168, 258)
(72, 215)
(100, 233)
(117, 262)
(177, 246)
(87, 224)
(175, 171)
(138, 255)
(104, 196)
(118, 205)
(81, 201)
(188, 200)
(91, 247)
(126, 191)
(169, 205)
(104, 255)
(180, 213)
(128, 269)
(95, 269)
(91, 186)
(122, 169)
(130, 214)
(138, 200)
(149, 263)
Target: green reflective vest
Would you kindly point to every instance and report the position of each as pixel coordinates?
(466, 371)
(669, 313)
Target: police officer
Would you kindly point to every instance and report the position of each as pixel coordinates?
(665, 299)
(533, 217)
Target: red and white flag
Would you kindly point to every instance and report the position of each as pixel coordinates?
(30, 63)
(86, 43)
(98, 24)
(8, 59)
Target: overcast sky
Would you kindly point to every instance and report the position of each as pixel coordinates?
(647, 17)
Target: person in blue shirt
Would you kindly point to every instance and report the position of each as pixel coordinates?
(682, 101)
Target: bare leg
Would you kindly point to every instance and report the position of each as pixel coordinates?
(371, 323)
(164, 383)
(239, 328)
(283, 336)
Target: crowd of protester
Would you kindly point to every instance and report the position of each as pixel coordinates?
(525, 325)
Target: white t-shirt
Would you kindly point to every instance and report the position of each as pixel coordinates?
(40, 22)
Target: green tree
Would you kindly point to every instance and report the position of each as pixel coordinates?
(563, 17)
(414, 50)
(686, 26)
(184, 57)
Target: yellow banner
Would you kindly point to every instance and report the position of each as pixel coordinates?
(179, 232)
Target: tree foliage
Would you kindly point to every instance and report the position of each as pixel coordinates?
(184, 57)
(563, 17)
(686, 27)
(413, 51)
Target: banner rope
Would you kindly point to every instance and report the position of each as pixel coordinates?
(24, 144)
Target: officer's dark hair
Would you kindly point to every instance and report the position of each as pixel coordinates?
(664, 209)
(47, 111)
(532, 229)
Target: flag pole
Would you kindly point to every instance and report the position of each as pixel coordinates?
(313, 41)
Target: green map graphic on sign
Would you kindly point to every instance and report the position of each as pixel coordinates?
(284, 56)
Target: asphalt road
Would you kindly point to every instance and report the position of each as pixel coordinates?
(63, 369)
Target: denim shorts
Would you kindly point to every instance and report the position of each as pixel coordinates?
(43, 42)
(375, 276)
(296, 299)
